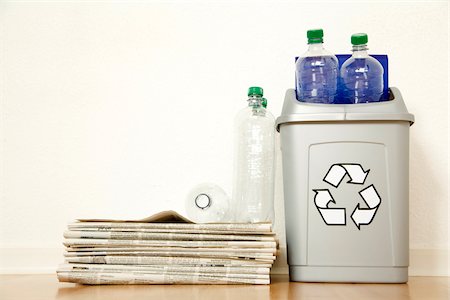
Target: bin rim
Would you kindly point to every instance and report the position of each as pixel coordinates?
(391, 110)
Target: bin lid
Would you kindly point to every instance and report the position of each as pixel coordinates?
(295, 111)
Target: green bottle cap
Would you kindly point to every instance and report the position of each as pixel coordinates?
(255, 91)
(359, 39)
(264, 102)
(314, 36)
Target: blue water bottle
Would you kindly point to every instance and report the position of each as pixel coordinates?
(316, 71)
(361, 74)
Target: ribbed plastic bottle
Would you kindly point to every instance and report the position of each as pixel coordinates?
(207, 203)
(253, 183)
(316, 71)
(361, 74)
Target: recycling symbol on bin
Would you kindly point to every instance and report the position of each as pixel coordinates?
(337, 216)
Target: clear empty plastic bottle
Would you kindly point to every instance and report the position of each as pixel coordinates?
(207, 203)
(316, 71)
(253, 185)
(361, 74)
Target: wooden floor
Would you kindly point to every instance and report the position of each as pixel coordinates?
(34, 287)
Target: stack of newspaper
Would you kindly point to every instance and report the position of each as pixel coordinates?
(167, 249)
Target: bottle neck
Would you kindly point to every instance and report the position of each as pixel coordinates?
(360, 51)
(255, 101)
(315, 47)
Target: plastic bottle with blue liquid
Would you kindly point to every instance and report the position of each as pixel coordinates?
(316, 71)
(361, 75)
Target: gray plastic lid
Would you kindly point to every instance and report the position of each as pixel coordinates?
(300, 112)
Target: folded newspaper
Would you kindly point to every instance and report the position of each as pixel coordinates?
(167, 248)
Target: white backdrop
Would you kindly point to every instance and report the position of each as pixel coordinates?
(117, 109)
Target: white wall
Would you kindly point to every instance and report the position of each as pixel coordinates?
(117, 109)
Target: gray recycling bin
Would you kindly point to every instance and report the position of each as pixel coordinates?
(345, 176)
